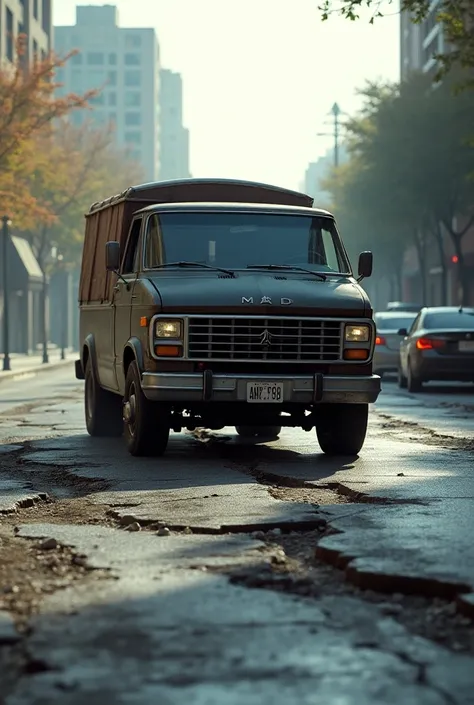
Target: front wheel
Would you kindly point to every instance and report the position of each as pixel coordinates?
(146, 423)
(257, 431)
(341, 428)
(402, 380)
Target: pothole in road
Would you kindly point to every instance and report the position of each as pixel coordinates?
(395, 427)
(296, 570)
(29, 570)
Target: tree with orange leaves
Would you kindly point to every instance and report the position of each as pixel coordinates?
(28, 106)
(71, 168)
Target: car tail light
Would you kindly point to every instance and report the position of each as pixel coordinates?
(429, 343)
(380, 340)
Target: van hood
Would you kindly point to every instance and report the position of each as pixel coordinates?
(259, 293)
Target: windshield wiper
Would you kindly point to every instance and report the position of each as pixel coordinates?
(288, 267)
(194, 264)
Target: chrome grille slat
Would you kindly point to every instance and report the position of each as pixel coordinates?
(302, 340)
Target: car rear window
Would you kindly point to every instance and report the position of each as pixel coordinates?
(390, 323)
(456, 319)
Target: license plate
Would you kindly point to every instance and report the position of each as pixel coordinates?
(466, 346)
(265, 392)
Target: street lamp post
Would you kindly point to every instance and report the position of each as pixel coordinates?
(45, 317)
(6, 330)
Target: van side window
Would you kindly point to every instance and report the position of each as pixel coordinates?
(153, 243)
(131, 260)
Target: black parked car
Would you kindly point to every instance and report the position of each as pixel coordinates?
(438, 346)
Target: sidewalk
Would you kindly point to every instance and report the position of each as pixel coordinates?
(26, 366)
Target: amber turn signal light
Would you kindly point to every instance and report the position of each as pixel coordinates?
(168, 350)
(356, 354)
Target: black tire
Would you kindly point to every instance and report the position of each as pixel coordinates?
(146, 423)
(402, 380)
(341, 428)
(414, 383)
(257, 431)
(103, 409)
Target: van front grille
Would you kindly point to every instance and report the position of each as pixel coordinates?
(273, 339)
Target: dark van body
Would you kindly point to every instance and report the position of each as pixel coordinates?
(208, 303)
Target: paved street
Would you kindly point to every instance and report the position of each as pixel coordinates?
(228, 572)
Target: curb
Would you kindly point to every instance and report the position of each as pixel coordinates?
(13, 376)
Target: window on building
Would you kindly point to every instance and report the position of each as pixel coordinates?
(133, 138)
(113, 119)
(132, 59)
(10, 49)
(112, 78)
(76, 81)
(36, 9)
(113, 59)
(112, 98)
(36, 55)
(133, 99)
(97, 99)
(46, 16)
(76, 59)
(95, 58)
(132, 78)
(133, 41)
(133, 118)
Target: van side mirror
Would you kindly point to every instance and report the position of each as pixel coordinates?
(366, 261)
(403, 331)
(112, 256)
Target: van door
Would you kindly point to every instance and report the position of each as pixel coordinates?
(123, 297)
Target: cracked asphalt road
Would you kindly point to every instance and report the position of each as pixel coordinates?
(229, 572)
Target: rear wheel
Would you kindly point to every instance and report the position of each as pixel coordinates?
(103, 410)
(414, 383)
(146, 423)
(341, 428)
(257, 431)
(402, 380)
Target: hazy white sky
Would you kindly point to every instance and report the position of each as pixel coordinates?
(260, 76)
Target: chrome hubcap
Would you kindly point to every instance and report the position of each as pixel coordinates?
(129, 410)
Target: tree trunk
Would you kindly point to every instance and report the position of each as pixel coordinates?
(421, 251)
(438, 235)
(463, 273)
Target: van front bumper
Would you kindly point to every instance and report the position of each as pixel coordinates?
(297, 389)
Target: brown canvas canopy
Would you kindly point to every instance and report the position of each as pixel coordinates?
(110, 219)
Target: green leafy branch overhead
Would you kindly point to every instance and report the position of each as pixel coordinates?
(456, 16)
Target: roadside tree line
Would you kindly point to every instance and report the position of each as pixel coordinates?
(410, 176)
(51, 170)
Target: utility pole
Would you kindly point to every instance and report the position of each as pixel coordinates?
(336, 132)
(336, 112)
(6, 222)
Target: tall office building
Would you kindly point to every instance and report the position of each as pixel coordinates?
(174, 136)
(30, 17)
(419, 43)
(125, 63)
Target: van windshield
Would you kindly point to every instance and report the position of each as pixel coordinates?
(236, 240)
